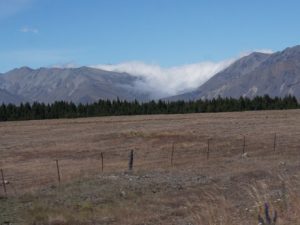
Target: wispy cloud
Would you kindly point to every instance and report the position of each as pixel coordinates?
(27, 29)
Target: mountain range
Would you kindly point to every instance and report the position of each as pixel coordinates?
(276, 74)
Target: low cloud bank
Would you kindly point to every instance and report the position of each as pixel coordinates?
(162, 82)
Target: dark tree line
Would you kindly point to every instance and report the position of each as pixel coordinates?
(63, 109)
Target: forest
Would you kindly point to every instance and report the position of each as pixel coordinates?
(63, 109)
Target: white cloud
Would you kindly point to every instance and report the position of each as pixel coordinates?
(266, 51)
(162, 82)
(29, 30)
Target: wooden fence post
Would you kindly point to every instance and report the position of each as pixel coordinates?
(244, 144)
(172, 154)
(207, 153)
(3, 182)
(130, 161)
(274, 147)
(102, 164)
(58, 171)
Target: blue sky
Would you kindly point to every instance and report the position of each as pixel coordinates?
(168, 33)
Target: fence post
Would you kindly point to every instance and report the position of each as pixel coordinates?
(58, 171)
(102, 164)
(130, 161)
(274, 147)
(3, 182)
(172, 154)
(207, 153)
(244, 144)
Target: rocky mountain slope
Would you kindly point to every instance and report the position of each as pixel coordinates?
(257, 74)
(76, 84)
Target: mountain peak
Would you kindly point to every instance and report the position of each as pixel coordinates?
(293, 51)
(23, 69)
(295, 48)
(259, 54)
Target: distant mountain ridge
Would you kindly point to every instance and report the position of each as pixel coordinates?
(257, 74)
(82, 84)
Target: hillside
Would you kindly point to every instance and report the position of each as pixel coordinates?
(258, 74)
(82, 84)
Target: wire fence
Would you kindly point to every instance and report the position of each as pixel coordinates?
(39, 173)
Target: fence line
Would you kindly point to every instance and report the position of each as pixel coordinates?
(115, 160)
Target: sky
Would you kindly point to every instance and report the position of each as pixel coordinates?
(198, 36)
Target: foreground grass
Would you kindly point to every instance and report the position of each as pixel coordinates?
(157, 198)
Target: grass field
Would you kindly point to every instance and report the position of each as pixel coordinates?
(228, 187)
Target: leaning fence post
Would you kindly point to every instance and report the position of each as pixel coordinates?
(3, 182)
(274, 147)
(244, 144)
(102, 165)
(130, 161)
(58, 171)
(207, 153)
(172, 154)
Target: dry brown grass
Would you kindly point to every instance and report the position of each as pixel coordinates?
(234, 189)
